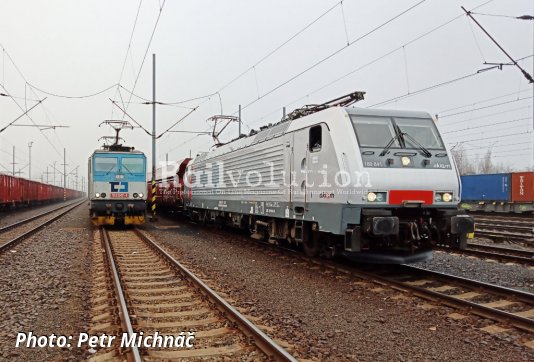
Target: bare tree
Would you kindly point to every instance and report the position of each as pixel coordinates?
(486, 165)
(465, 166)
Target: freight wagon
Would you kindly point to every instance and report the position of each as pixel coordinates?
(503, 192)
(170, 186)
(19, 192)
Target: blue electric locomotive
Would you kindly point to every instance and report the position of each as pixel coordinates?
(117, 186)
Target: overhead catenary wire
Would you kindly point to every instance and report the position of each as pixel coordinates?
(73, 96)
(272, 52)
(514, 62)
(490, 131)
(44, 108)
(331, 55)
(485, 116)
(496, 15)
(127, 52)
(146, 52)
(476, 41)
(173, 102)
(485, 107)
(493, 145)
(503, 153)
(489, 125)
(31, 119)
(368, 64)
(373, 61)
(486, 100)
(492, 137)
(424, 90)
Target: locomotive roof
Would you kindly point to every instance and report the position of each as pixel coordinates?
(386, 112)
(119, 152)
(280, 128)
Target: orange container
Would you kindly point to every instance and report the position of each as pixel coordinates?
(523, 186)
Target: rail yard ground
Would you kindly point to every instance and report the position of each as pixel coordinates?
(327, 316)
(316, 314)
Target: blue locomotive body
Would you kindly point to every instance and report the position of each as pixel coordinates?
(117, 187)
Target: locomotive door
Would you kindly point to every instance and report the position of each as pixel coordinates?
(299, 170)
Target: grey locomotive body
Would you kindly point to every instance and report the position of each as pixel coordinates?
(376, 183)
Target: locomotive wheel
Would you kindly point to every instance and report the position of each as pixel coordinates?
(312, 245)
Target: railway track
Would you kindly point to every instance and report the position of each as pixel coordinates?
(501, 228)
(509, 307)
(12, 234)
(155, 293)
(504, 255)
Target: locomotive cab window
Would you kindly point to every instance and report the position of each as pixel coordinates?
(106, 164)
(423, 131)
(374, 131)
(315, 139)
(133, 165)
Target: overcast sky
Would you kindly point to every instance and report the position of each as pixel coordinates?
(78, 48)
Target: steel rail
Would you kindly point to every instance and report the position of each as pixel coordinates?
(519, 322)
(506, 227)
(522, 323)
(515, 237)
(523, 253)
(27, 220)
(123, 309)
(499, 254)
(260, 339)
(23, 236)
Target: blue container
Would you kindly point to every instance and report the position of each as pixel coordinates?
(491, 187)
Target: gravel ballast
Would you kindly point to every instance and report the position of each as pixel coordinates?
(10, 217)
(507, 275)
(43, 285)
(323, 316)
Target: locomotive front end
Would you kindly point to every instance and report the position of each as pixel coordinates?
(409, 200)
(117, 188)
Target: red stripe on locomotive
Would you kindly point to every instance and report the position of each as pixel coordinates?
(398, 197)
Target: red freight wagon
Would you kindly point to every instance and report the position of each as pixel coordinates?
(16, 191)
(523, 187)
(170, 186)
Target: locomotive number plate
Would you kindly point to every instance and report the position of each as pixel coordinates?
(119, 195)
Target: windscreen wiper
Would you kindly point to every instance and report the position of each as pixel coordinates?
(111, 169)
(426, 152)
(127, 169)
(390, 143)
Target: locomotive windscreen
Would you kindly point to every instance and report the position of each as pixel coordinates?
(374, 131)
(379, 131)
(106, 164)
(133, 165)
(422, 130)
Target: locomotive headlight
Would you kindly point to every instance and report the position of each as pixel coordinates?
(377, 196)
(97, 195)
(443, 196)
(405, 161)
(135, 195)
(103, 194)
(141, 195)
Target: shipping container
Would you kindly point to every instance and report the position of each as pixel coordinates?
(523, 186)
(490, 187)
